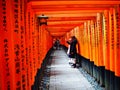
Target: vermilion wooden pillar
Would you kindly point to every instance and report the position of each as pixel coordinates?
(23, 46)
(43, 37)
(89, 40)
(92, 41)
(34, 43)
(106, 46)
(90, 47)
(96, 50)
(37, 61)
(93, 47)
(86, 37)
(42, 42)
(117, 61)
(101, 68)
(5, 50)
(48, 38)
(45, 42)
(1, 55)
(82, 40)
(31, 47)
(112, 26)
(39, 45)
(15, 20)
(98, 19)
(27, 38)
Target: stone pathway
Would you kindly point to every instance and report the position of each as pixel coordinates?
(59, 75)
(64, 77)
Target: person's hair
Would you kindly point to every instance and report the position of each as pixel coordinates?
(74, 39)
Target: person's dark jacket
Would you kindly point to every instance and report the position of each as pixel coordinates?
(73, 50)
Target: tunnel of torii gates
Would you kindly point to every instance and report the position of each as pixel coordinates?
(29, 27)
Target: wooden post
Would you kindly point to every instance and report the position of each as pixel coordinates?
(117, 60)
(106, 46)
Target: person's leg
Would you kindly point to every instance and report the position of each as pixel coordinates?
(73, 64)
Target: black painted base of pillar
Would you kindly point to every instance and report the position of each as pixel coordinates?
(78, 60)
(102, 76)
(98, 74)
(117, 83)
(91, 68)
(107, 80)
(88, 66)
(94, 72)
(37, 80)
(112, 79)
